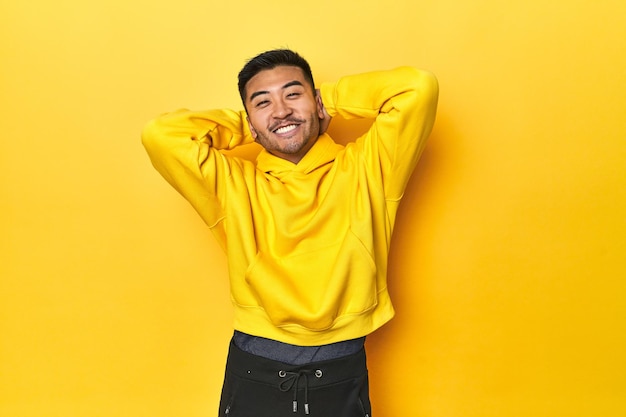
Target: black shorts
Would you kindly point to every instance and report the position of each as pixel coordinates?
(258, 387)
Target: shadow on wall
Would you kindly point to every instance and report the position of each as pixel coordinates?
(394, 349)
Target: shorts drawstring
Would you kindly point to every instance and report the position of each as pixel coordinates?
(290, 382)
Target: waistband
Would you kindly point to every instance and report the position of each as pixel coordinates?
(260, 369)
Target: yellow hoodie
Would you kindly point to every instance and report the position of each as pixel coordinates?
(307, 244)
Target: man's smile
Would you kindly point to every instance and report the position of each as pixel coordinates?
(285, 129)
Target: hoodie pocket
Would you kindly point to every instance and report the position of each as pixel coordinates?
(313, 289)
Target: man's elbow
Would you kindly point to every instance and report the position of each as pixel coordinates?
(426, 84)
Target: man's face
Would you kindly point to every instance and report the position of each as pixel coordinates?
(283, 112)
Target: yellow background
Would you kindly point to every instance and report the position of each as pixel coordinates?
(508, 270)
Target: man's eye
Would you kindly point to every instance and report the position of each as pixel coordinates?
(261, 103)
(293, 94)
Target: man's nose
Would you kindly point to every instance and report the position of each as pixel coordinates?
(281, 109)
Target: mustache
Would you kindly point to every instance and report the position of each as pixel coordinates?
(285, 121)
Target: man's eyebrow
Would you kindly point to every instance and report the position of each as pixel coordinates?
(292, 83)
(289, 84)
(257, 93)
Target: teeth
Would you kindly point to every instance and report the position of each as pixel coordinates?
(285, 129)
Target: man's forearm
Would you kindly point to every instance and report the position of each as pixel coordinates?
(220, 129)
(368, 94)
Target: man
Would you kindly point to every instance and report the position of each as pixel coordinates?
(306, 227)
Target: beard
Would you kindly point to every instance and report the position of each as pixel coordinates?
(309, 132)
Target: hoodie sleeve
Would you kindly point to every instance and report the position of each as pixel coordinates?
(403, 104)
(184, 148)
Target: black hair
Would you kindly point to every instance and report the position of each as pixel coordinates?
(269, 60)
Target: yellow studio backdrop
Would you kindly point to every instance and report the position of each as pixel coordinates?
(508, 268)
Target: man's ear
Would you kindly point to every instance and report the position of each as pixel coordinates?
(322, 113)
(320, 104)
(252, 131)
